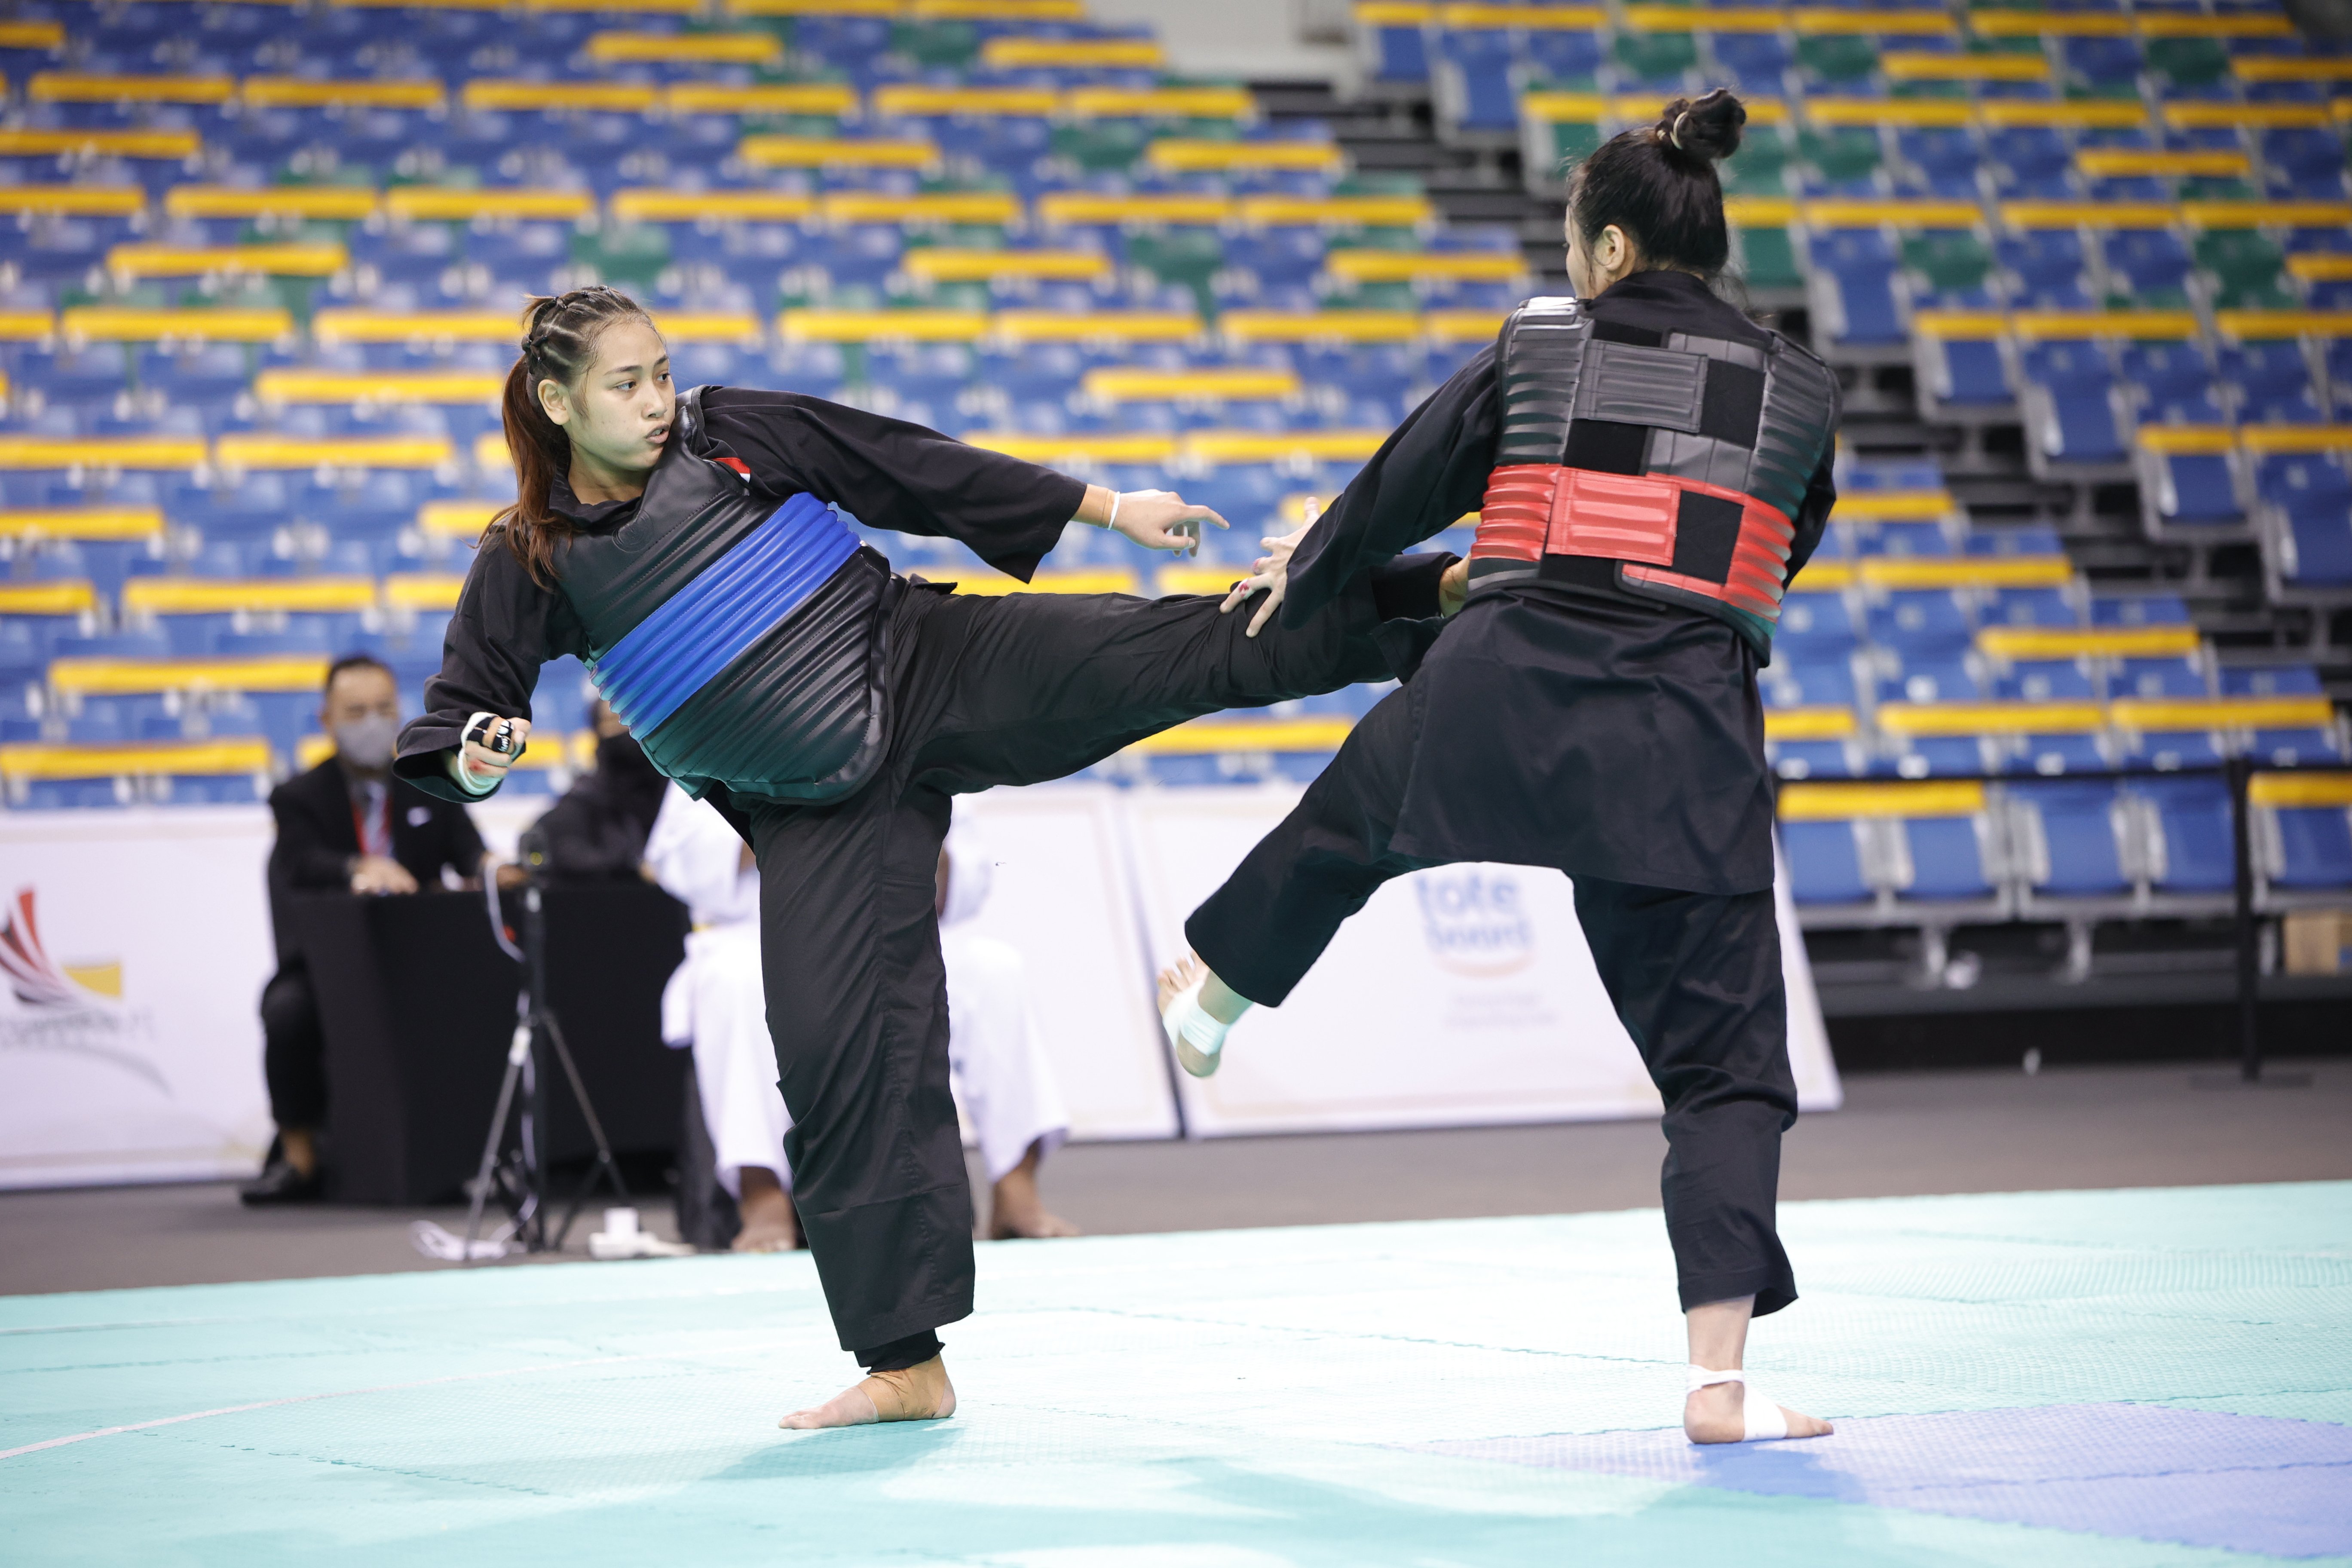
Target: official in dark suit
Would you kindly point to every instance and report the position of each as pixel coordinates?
(347, 824)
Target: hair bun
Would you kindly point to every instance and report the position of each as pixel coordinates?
(1707, 130)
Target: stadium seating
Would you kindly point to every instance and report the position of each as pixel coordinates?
(258, 295)
(259, 278)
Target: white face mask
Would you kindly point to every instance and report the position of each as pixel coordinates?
(368, 743)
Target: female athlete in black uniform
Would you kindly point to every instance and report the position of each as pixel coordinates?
(688, 548)
(1649, 469)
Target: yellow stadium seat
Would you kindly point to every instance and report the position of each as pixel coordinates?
(987, 583)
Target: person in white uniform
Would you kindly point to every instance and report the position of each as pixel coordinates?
(715, 1002)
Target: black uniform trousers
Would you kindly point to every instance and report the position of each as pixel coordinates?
(982, 692)
(293, 1049)
(1696, 978)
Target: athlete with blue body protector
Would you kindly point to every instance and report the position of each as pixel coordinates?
(688, 548)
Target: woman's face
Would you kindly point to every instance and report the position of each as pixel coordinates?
(618, 415)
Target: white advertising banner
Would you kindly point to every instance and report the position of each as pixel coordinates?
(1459, 996)
(136, 947)
(1062, 895)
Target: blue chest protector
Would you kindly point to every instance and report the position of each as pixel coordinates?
(742, 642)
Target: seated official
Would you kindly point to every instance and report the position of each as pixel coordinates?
(348, 825)
(715, 1003)
(597, 832)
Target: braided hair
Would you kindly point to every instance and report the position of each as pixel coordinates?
(1658, 185)
(559, 345)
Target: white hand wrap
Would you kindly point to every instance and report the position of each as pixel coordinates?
(477, 731)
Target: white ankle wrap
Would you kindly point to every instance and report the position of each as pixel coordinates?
(1761, 1417)
(1188, 1022)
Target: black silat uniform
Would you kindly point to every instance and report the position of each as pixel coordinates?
(1576, 716)
(871, 702)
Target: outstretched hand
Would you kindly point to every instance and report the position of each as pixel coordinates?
(1270, 575)
(1158, 519)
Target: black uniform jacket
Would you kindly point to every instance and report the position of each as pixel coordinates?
(318, 836)
(1566, 723)
(884, 472)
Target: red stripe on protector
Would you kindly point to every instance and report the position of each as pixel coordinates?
(1618, 517)
(1532, 510)
(1515, 515)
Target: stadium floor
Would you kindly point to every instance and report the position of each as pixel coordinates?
(2152, 1376)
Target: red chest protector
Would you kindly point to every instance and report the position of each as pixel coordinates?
(1684, 461)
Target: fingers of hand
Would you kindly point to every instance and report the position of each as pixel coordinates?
(1265, 612)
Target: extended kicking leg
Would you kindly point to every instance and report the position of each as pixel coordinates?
(1255, 937)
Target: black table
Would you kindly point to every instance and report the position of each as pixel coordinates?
(418, 1005)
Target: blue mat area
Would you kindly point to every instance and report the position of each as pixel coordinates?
(2194, 1476)
(2104, 1378)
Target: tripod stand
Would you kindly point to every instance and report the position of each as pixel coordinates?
(521, 1181)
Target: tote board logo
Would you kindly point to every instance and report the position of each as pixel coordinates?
(75, 1009)
(1476, 922)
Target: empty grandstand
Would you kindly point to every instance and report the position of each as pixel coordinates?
(2087, 271)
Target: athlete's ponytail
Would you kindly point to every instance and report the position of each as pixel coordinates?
(1658, 185)
(559, 343)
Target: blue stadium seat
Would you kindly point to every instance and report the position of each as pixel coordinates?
(2269, 680)
(1824, 862)
(2139, 610)
(2029, 608)
(2314, 846)
(1947, 860)
(2194, 489)
(1934, 679)
(2159, 678)
(2029, 161)
(2047, 680)
(2303, 162)
(1898, 538)
(1811, 759)
(2271, 383)
(1755, 62)
(1814, 628)
(2316, 551)
(1476, 68)
(2173, 383)
(1924, 622)
(2047, 270)
(1789, 683)
(2077, 830)
(2152, 265)
(2193, 833)
(1857, 268)
(2074, 416)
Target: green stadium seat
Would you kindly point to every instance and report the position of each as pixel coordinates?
(1837, 59)
(1656, 58)
(2186, 62)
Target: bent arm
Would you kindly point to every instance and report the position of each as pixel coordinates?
(891, 474)
(506, 625)
(1427, 475)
